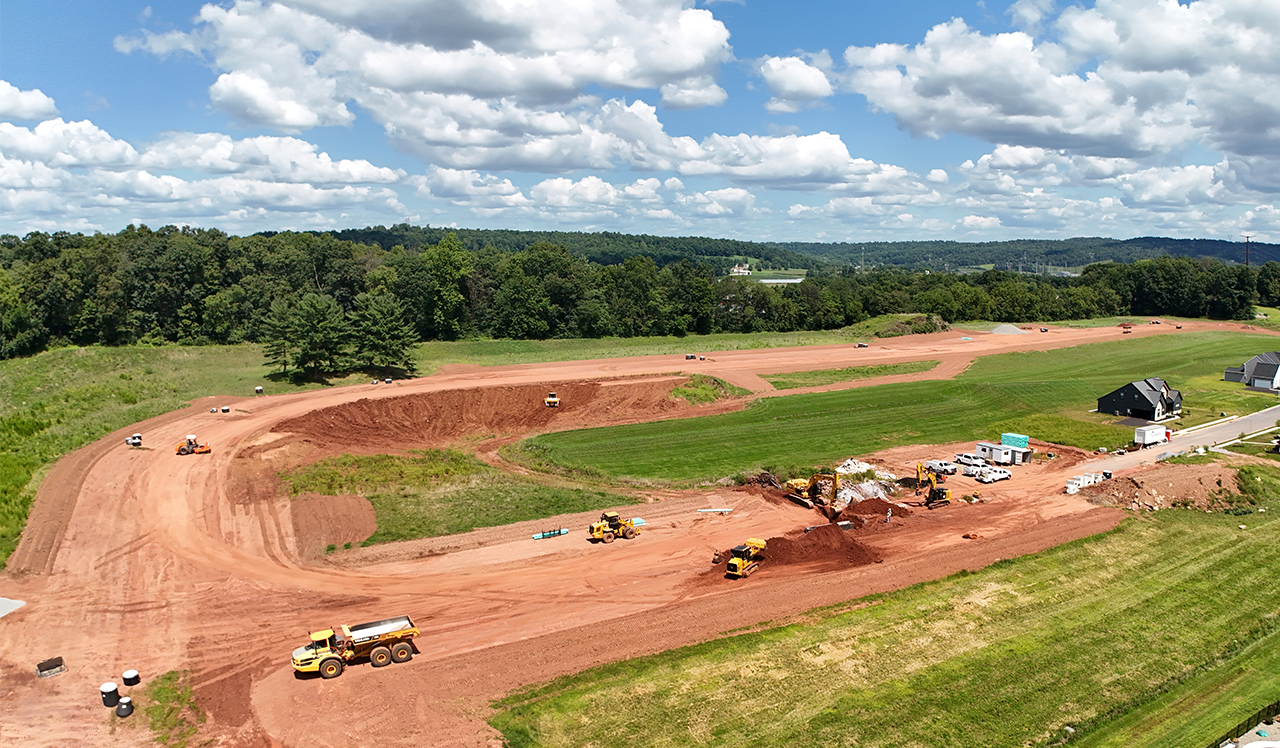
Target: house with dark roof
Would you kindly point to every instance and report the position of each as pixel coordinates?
(1263, 370)
(1150, 399)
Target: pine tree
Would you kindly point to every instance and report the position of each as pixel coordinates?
(321, 332)
(278, 335)
(380, 332)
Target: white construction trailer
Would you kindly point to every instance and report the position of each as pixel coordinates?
(1151, 434)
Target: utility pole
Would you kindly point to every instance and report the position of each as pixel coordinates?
(1247, 237)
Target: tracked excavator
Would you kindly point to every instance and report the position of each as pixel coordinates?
(809, 492)
(937, 496)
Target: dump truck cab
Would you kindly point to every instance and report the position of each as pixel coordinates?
(611, 526)
(745, 559)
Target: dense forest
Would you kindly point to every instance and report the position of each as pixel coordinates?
(322, 301)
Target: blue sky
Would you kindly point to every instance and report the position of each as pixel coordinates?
(806, 120)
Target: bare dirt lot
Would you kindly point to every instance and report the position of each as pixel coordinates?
(142, 559)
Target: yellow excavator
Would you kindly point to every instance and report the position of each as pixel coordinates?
(938, 496)
(809, 492)
(612, 526)
(745, 559)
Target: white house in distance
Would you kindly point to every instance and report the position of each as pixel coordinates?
(743, 269)
(1260, 371)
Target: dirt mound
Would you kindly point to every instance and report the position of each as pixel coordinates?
(436, 418)
(827, 543)
(1165, 486)
(869, 507)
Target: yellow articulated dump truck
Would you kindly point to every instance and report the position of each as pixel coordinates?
(381, 642)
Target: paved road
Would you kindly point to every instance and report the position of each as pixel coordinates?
(1205, 437)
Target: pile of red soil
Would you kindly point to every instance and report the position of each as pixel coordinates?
(827, 543)
(432, 418)
(871, 507)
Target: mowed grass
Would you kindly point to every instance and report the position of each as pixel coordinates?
(441, 492)
(794, 380)
(1046, 394)
(1139, 632)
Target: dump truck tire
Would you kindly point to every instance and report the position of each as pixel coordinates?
(607, 537)
(401, 652)
(629, 533)
(380, 657)
(331, 668)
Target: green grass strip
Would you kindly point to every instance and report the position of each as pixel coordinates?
(441, 492)
(1006, 656)
(1046, 394)
(797, 379)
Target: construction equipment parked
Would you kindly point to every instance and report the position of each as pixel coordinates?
(552, 401)
(381, 642)
(809, 492)
(612, 526)
(745, 559)
(192, 446)
(937, 496)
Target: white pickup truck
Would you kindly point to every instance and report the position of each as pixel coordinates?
(993, 474)
(971, 459)
(942, 467)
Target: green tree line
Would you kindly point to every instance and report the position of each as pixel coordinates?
(320, 302)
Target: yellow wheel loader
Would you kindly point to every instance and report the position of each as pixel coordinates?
(612, 526)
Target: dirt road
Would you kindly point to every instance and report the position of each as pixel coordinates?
(141, 559)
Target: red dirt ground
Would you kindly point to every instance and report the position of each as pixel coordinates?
(138, 558)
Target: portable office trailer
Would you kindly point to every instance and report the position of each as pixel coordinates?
(1003, 454)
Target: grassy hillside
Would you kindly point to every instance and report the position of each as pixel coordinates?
(1094, 635)
(1045, 394)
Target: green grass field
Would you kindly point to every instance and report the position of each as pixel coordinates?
(441, 492)
(1044, 394)
(1137, 637)
(821, 377)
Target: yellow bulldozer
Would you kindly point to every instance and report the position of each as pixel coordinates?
(745, 559)
(612, 526)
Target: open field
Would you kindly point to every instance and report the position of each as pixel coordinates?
(849, 374)
(1008, 655)
(1046, 393)
(200, 553)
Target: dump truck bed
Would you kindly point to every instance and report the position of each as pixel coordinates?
(379, 628)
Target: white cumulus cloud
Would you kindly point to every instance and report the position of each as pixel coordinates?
(18, 104)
